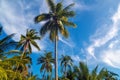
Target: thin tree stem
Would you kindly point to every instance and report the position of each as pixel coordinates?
(44, 75)
(56, 64)
(65, 72)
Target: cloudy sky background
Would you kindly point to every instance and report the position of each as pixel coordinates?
(96, 39)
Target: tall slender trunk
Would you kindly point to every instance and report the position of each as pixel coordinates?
(56, 64)
(22, 54)
(44, 75)
(65, 72)
(25, 48)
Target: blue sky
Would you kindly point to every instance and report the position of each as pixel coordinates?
(95, 40)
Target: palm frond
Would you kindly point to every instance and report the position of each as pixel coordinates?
(66, 23)
(4, 74)
(36, 37)
(68, 13)
(65, 33)
(59, 7)
(42, 17)
(22, 37)
(35, 44)
(51, 5)
(84, 68)
(7, 38)
(19, 45)
(45, 28)
(68, 7)
(52, 35)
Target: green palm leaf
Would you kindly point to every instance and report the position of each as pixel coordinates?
(42, 17)
(68, 7)
(35, 44)
(51, 5)
(7, 38)
(59, 7)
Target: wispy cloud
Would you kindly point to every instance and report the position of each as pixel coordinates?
(17, 16)
(76, 58)
(105, 42)
(111, 57)
(78, 4)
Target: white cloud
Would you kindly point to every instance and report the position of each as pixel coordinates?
(105, 42)
(78, 5)
(67, 41)
(76, 58)
(112, 58)
(17, 16)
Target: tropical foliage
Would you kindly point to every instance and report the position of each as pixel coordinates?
(13, 67)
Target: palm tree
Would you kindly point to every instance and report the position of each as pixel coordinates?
(66, 62)
(28, 40)
(70, 75)
(82, 71)
(7, 65)
(108, 75)
(55, 22)
(46, 62)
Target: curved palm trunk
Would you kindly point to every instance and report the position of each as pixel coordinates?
(56, 64)
(25, 48)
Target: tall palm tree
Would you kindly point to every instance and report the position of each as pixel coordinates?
(55, 21)
(46, 62)
(28, 40)
(66, 62)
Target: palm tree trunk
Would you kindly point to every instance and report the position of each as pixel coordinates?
(22, 54)
(44, 75)
(65, 72)
(56, 64)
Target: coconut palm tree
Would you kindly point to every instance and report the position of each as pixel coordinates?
(82, 71)
(46, 62)
(55, 21)
(66, 63)
(108, 75)
(28, 40)
(70, 75)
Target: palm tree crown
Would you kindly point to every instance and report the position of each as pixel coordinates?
(46, 62)
(56, 19)
(66, 62)
(28, 40)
